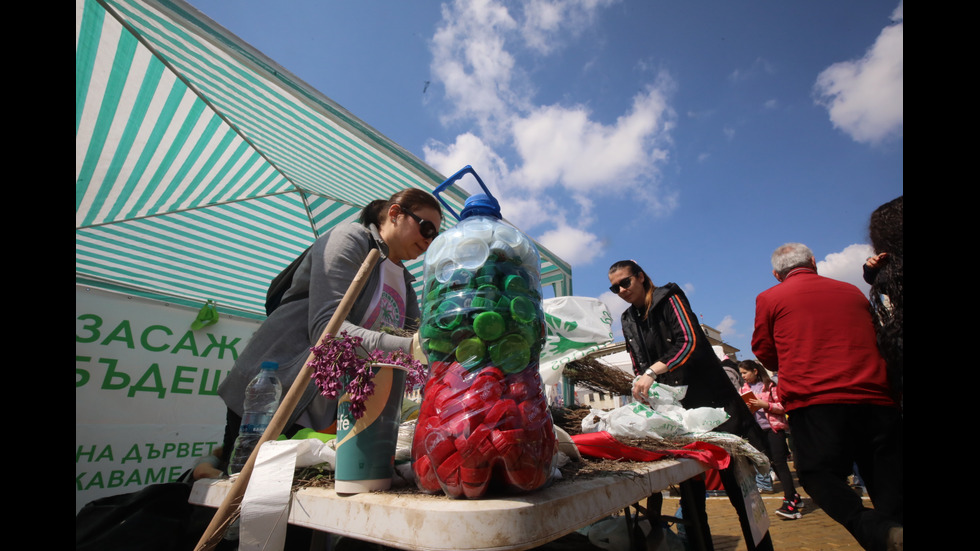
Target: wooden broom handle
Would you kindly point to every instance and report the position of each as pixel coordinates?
(233, 501)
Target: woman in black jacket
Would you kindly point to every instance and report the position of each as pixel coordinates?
(667, 344)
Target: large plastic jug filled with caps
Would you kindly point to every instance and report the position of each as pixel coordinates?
(484, 421)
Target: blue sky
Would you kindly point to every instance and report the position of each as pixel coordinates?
(692, 137)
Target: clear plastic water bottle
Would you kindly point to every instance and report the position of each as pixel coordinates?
(261, 401)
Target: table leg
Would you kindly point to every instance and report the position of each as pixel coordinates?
(321, 541)
(695, 515)
(695, 520)
(632, 527)
(654, 513)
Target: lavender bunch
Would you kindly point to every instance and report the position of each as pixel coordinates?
(336, 358)
(333, 359)
(360, 388)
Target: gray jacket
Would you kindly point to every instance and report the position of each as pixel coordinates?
(288, 334)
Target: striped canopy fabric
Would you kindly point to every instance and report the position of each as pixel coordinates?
(202, 168)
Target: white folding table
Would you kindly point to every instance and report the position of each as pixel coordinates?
(416, 521)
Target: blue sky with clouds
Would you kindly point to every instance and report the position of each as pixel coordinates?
(693, 137)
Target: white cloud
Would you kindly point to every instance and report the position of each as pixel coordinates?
(519, 208)
(560, 145)
(727, 327)
(865, 97)
(563, 151)
(572, 245)
(544, 19)
(470, 59)
(469, 149)
(847, 265)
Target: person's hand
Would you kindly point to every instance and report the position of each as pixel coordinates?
(876, 261)
(417, 353)
(641, 386)
(757, 403)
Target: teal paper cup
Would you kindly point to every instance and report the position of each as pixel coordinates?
(366, 447)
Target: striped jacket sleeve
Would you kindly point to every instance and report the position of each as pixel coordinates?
(682, 334)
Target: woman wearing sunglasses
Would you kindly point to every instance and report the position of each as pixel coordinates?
(401, 228)
(666, 344)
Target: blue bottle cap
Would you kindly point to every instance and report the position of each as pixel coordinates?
(481, 204)
(272, 366)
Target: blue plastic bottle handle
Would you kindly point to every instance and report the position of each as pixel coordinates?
(486, 206)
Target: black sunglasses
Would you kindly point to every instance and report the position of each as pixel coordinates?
(427, 229)
(624, 283)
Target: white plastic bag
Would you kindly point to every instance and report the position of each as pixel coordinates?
(701, 420)
(610, 533)
(664, 395)
(595, 421)
(662, 416)
(576, 327)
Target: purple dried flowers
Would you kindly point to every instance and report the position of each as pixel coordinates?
(335, 359)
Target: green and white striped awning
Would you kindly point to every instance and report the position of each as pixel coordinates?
(202, 168)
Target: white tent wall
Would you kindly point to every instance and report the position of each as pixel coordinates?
(146, 405)
(202, 168)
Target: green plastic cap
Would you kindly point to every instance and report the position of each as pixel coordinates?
(470, 352)
(511, 354)
(489, 325)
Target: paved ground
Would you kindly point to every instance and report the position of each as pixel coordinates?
(814, 532)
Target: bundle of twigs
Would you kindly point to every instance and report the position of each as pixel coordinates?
(594, 375)
(569, 420)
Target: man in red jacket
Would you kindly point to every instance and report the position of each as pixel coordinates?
(819, 335)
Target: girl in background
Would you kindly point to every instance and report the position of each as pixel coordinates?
(771, 417)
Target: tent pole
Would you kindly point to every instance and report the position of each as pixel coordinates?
(233, 501)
